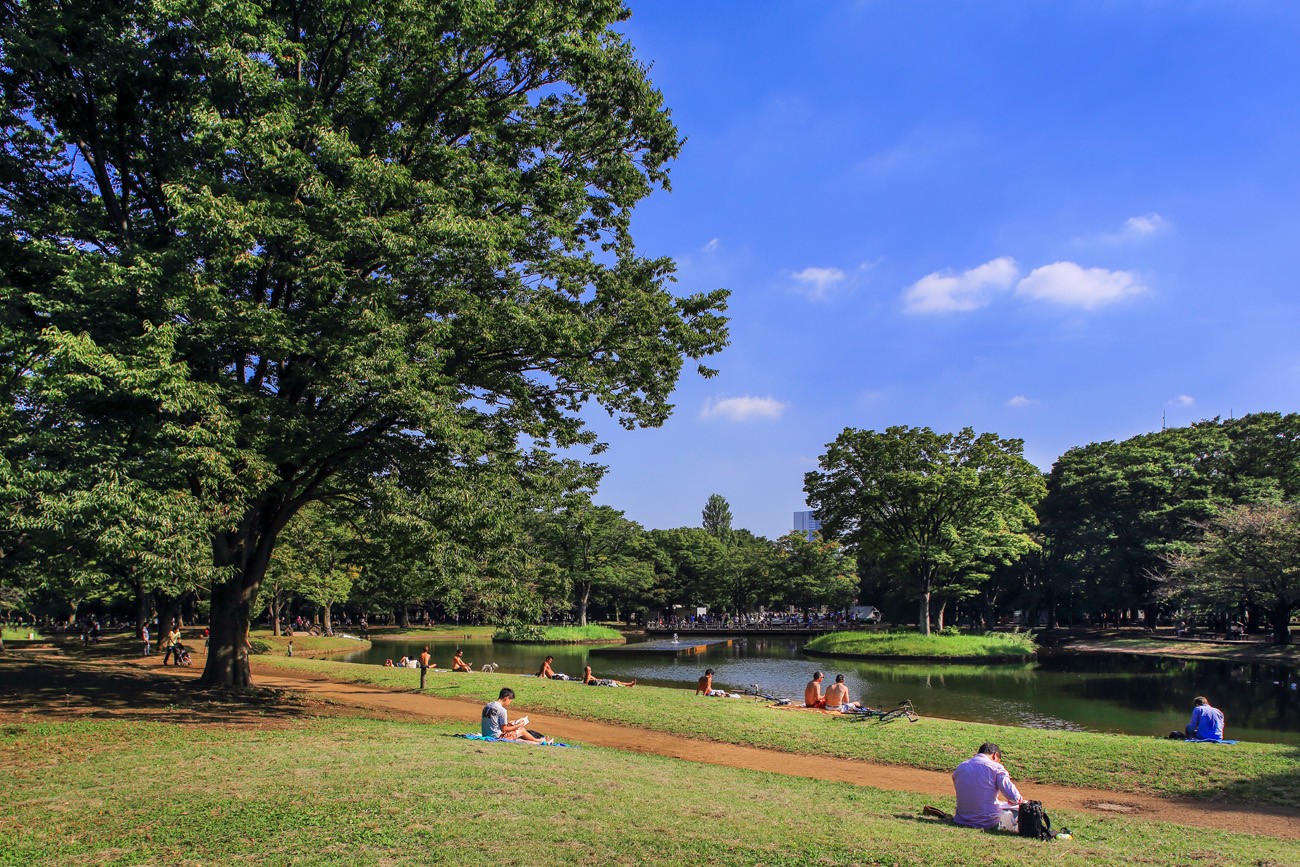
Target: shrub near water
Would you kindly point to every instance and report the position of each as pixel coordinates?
(915, 644)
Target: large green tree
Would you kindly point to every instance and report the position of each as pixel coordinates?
(1247, 555)
(275, 252)
(931, 506)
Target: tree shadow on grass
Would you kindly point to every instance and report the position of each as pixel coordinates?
(46, 688)
(1280, 789)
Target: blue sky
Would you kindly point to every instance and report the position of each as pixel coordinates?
(1051, 220)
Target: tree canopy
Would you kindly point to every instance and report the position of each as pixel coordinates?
(934, 507)
(269, 255)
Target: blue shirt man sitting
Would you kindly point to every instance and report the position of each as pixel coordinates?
(1206, 723)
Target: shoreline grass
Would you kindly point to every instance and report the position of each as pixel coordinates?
(305, 644)
(589, 634)
(912, 645)
(369, 792)
(1248, 773)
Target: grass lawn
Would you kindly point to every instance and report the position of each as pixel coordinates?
(309, 791)
(15, 633)
(305, 644)
(590, 633)
(432, 633)
(1245, 773)
(904, 644)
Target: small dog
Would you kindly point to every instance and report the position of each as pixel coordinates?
(490, 666)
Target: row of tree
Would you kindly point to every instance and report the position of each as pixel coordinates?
(1199, 520)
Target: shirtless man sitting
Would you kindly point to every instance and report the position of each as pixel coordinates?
(705, 684)
(546, 670)
(812, 693)
(458, 663)
(837, 697)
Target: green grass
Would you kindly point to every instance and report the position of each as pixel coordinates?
(990, 644)
(306, 644)
(364, 792)
(14, 633)
(575, 634)
(1244, 773)
(432, 633)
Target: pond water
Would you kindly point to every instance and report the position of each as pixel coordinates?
(1102, 693)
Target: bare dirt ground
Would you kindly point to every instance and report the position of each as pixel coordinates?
(45, 686)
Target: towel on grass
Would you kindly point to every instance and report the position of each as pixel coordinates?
(1207, 741)
(475, 736)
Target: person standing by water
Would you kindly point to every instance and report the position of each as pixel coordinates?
(424, 664)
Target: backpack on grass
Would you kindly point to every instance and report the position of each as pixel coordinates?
(1034, 822)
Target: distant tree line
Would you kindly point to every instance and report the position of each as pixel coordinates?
(1198, 522)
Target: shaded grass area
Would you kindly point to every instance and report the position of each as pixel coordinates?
(1247, 772)
(1242, 652)
(990, 644)
(361, 792)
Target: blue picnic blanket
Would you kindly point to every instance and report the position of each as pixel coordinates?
(1207, 741)
(475, 736)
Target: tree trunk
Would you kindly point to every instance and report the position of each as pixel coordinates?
(938, 619)
(228, 644)
(582, 604)
(141, 608)
(325, 627)
(924, 618)
(275, 613)
(403, 617)
(166, 615)
(1282, 624)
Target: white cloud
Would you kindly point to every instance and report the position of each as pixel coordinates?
(745, 408)
(1182, 400)
(1071, 285)
(1144, 226)
(712, 245)
(943, 291)
(1020, 400)
(818, 282)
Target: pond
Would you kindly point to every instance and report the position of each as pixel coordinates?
(1102, 693)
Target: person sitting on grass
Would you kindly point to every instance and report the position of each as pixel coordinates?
(837, 697)
(496, 725)
(591, 680)
(705, 684)
(546, 670)
(812, 693)
(981, 783)
(1206, 723)
(459, 664)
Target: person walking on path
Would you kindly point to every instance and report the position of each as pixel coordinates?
(144, 636)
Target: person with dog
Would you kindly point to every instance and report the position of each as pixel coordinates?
(497, 725)
(986, 797)
(1206, 723)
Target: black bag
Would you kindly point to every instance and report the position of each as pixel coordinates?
(1034, 822)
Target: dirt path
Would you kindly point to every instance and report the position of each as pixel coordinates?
(1269, 821)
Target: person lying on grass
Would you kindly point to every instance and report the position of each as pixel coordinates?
(496, 725)
(837, 697)
(812, 693)
(591, 680)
